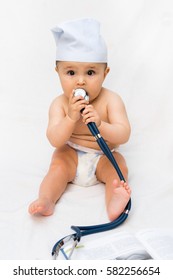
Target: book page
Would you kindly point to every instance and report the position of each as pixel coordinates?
(115, 246)
(158, 242)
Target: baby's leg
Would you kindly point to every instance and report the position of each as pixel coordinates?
(117, 193)
(61, 171)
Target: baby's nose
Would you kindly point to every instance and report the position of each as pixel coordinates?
(81, 80)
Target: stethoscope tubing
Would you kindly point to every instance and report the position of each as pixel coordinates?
(104, 147)
(86, 230)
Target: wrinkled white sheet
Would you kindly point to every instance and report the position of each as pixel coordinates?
(141, 60)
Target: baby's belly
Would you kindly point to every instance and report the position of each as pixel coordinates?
(87, 141)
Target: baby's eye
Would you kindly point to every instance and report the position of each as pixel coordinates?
(90, 72)
(70, 72)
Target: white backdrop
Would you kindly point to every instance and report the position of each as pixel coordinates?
(139, 35)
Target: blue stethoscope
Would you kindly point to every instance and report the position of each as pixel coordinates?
(86, 230)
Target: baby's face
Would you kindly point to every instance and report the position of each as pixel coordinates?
(88, 76)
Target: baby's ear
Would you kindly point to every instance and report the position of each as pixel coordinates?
(106, 71)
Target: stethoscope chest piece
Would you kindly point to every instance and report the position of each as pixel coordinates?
(81, 92)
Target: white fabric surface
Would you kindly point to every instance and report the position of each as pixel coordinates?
(141, 59)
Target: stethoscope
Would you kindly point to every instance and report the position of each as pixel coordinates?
(86, 230)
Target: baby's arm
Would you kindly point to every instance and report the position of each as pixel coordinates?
(117, 131)
(62, 124)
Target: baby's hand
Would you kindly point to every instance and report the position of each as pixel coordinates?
(76, 104)
(89, 114)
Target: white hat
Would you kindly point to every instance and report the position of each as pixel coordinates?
(80, 41)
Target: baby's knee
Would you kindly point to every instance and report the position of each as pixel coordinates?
(64, 163)
(58, 166)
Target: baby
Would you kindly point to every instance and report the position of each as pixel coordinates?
(81, 63)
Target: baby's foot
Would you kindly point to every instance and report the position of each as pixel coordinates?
(42, 206)
(120, 197)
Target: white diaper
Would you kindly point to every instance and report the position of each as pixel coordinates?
(87, 164)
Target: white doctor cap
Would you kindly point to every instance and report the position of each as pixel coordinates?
(80, 41)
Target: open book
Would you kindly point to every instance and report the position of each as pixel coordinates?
(145, 244)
